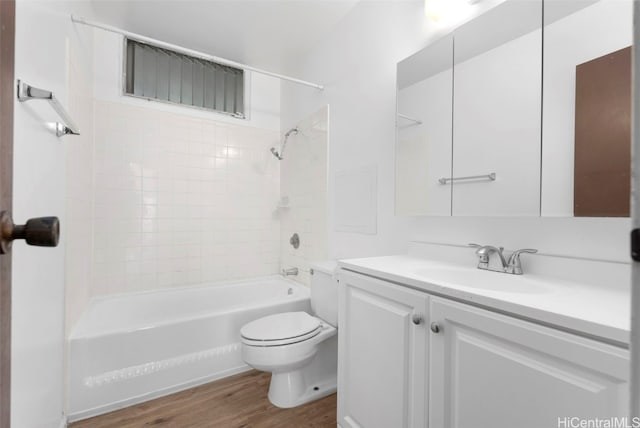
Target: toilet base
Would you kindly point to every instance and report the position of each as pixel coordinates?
(310, 382)
(290, 389)
(300, 372)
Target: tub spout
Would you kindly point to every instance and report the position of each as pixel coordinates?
(291, 271)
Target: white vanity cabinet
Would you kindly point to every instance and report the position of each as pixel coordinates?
(382, 354)
(464, 366)
(492, 370)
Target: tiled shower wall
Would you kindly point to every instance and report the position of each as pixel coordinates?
(180, 200)
(303, 184)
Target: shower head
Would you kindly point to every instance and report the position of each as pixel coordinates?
(280, 155)
(275, 153)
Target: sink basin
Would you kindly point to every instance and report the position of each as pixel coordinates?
(482, 279)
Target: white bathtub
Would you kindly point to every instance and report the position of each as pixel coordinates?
(131, 348)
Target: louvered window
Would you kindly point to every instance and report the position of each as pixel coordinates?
(160, 74)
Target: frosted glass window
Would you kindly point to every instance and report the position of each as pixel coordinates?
(160, 74)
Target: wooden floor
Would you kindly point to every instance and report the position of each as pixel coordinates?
(234, 402)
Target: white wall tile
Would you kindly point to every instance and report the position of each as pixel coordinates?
(180, 200)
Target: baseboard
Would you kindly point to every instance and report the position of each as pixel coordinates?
(96, 411)
(63, 422)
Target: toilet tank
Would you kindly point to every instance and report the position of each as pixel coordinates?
(324, 291)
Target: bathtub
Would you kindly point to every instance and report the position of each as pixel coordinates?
(131, 348)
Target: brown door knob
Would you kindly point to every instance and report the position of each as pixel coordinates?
(40, 232)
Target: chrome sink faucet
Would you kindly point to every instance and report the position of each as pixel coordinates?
(512, 266)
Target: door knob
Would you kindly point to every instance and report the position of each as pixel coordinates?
(417, 319)
(40, 232)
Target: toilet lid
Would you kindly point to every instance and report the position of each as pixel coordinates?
(278, 327)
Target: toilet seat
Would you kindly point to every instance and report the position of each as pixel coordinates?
(289, 341)
(281, 329)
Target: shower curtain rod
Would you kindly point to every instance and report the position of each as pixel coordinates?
(191, 52)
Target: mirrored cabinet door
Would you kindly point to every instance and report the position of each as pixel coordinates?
(423, 125)
(587, 108)
(523, 111)
(496, 112)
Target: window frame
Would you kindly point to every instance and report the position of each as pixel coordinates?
(246, 86)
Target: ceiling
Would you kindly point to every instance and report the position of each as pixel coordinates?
(260, 33)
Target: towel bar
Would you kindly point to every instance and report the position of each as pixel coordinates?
(27, 92)
(490, 177)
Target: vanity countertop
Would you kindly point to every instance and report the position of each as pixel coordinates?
(602, 312)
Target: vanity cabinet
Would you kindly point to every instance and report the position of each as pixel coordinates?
(382, 350)
(492, 370)
(464, 366)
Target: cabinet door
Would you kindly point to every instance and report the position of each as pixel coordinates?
(491, 370)
(382, 354)
(497, 100)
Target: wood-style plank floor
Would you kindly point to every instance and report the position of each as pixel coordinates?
(238, 401)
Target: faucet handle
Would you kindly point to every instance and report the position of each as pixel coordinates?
(481, 252)
(514, 265)
(524, 250)
(486, 247)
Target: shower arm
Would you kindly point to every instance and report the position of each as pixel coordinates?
(280, 154)
(293, 131)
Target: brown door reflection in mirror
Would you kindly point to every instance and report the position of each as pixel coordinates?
(603, 136)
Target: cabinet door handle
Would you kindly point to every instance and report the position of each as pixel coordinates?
(417, 319)
(435, 327)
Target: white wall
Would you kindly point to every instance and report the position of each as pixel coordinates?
(49, 51)
(79, 150)
(303, 187)
(357, 65)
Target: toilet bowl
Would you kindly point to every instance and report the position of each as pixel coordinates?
(287, 355)
(299, 349)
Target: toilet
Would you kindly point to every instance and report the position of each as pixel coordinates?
(299, 349)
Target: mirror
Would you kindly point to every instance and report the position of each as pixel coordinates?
(424, 131)
(537, 121)
(587, 108)
(496, 112)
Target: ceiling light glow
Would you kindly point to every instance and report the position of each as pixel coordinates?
(447, 12)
